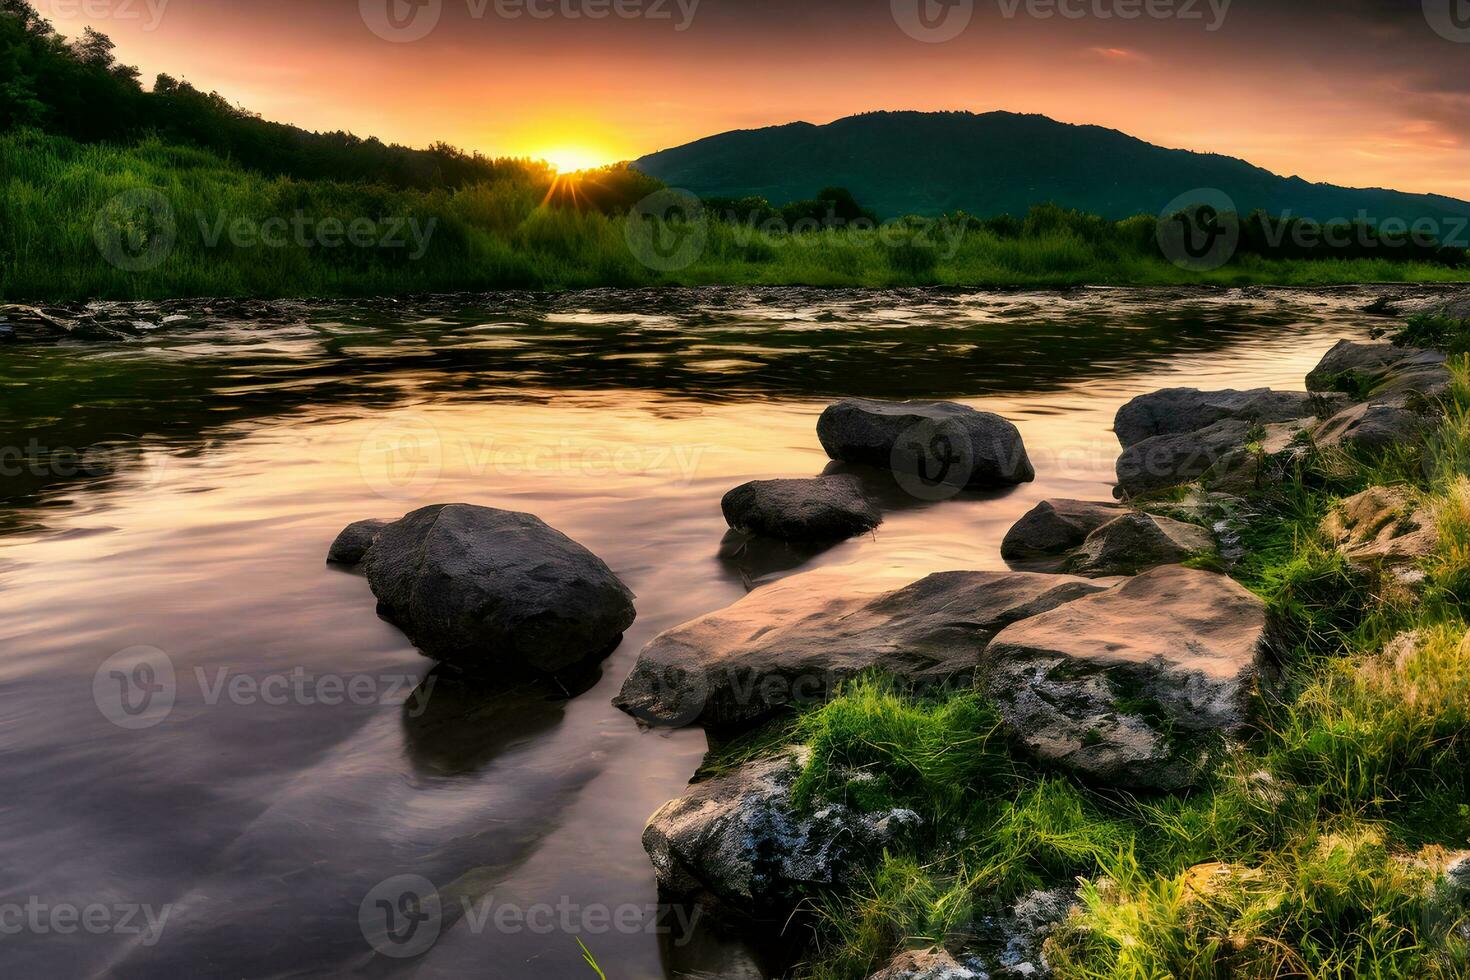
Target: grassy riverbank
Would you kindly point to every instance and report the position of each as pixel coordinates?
(1312, 851)
(160, 220)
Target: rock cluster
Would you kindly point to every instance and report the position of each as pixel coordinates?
(1361, 395)
(1094, 538)
(935, 449)
(794, 641)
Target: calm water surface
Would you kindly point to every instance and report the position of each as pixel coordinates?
(178, 491)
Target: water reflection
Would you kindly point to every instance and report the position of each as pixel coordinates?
(239, 440)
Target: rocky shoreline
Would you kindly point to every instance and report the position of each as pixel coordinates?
(1119, 651)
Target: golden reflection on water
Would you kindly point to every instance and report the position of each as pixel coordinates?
(274, 819)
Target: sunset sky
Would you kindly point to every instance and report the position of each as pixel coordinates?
(1349, 92)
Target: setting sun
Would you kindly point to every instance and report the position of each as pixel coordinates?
(568, 159)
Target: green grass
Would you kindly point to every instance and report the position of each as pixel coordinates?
(1312, 850)
(508, 233)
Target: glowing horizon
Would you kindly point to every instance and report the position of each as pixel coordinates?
(1385, 104)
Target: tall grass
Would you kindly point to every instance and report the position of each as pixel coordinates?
(509, 233)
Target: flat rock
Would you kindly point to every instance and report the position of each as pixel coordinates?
(1054, 527)
(824, 508)
(793, 641)
(738, 839)
(1167, 461)
(1171, 411)
(1126, 686)
(1370, 426)
(352, 543)
(939, 442)
(488, 589)
(1380, 371)
(1135, 542)
(1384, 525)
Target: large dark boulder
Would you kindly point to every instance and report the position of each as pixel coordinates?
(824, 508)
(1054, 527)
(487, 589)
(1171, 411)
(939, 442)
(795, 641)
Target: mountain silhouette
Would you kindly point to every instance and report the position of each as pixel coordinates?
(931, 163)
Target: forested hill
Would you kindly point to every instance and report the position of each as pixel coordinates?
(932, 163)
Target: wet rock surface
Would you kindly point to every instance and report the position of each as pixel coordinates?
(1126, 686)
(793, 641)
(1161, 462)
(1379, 371)
(488, 589)
(1172, 411)
(940, 442)
(823, 508)
(1136, 542)
(738, 838)
(1054, 527)
(351, 546)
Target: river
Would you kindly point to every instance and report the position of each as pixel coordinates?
(177, 491)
